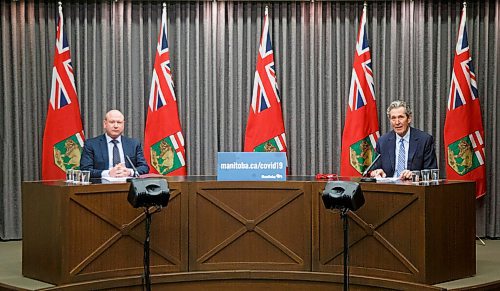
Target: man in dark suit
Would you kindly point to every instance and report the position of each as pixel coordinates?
(105, 155)
(405, 148)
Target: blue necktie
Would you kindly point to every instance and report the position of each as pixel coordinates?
(400, 167)
(116, 153)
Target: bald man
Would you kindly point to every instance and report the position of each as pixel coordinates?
(105, 155)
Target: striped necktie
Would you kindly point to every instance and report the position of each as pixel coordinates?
(116, 153)
(401, 166)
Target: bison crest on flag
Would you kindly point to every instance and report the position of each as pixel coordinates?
(361, 154)
(67, 152)
(166, 154)
(466, 154)
(272, 145)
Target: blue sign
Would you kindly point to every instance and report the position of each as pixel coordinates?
(251, 166)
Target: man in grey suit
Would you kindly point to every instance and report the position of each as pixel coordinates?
(405, 148)
(105, 155)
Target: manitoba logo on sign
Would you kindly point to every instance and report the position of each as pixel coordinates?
(466, 154)
(361, 154)
(166, 155)
(68, 151)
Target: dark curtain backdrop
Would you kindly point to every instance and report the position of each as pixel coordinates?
(213, 53)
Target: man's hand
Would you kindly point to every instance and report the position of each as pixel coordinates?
(378, 173)
(405, 175)
(119, 171)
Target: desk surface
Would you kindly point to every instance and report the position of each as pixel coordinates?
(202, 178)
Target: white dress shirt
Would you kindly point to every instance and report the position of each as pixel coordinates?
(406, 141)
(105, 173)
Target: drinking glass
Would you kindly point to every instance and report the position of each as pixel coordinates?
(77, 176)
(85, 178)
(426, 175)
(415, 176)
(435, 174)
(69, 175)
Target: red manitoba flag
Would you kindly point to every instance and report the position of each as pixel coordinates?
(265, 131)
(463, 127)
(361, 121)
(163, 139)
(63, 135)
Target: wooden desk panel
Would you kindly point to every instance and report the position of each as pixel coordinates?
(406, 232)
(250, 225)
(93, 232)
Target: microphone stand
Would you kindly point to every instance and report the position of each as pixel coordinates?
(136, 173)
(147, 239)
(365, 177)
(344, 216)
(147, 276)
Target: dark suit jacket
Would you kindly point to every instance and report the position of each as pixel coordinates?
(95, 156)
(421, 154)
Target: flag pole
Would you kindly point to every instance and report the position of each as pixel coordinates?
(59, 12)
(265, 12)
(477, 237)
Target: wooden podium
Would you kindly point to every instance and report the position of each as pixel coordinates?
(74, 233)
(404, 232)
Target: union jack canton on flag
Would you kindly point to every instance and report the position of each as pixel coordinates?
(362, 89)
(265, 85)
(63, 81)
(162, 83)
(463, 80)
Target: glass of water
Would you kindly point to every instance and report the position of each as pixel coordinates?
(426, 175)
(435, 174)
(85, 177)
(69, 175)
(77, 176)
(415, 176)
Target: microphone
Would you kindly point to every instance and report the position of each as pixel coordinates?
(136, 173)
(365, 173)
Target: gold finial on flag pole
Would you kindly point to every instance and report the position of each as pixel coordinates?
(164, 5)
(365, 4)
(465, 4)
(60, 6)
(265, 13)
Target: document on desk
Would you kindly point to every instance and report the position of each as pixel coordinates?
(388, 179)
(115, 179)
